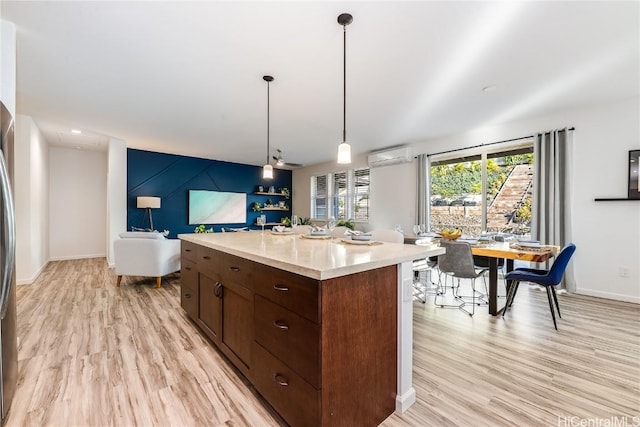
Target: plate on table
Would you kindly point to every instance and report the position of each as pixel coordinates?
(282, 233)
(361, 242)
(316, 236)
(529, 244)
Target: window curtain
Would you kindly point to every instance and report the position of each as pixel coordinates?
(422, 209)
(551, 222)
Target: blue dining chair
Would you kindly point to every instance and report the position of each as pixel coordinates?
(547, 278)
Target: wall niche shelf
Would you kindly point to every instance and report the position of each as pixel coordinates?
(616, 199)
(275, 208)
(264, 193)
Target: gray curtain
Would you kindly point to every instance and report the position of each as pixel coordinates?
(551, 221)
(422, 208)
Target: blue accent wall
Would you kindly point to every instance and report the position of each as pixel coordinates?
(170, 177)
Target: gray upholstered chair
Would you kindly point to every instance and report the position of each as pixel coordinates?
(457, 263)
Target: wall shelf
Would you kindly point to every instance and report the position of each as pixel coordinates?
(262, 193)
(275, 208)
(613, 199)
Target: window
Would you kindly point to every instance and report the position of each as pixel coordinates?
(344, 195)
(483, 191)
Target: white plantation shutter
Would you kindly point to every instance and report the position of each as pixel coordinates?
(361, 195)
(344, 195)
(319, 196)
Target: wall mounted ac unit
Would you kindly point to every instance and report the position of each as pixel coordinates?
(390, 157)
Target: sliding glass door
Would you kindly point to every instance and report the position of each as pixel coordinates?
(482, 191)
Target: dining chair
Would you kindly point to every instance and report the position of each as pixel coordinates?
(389, 236)
(547, 278)
(457, 262)
(423, 284)
(302, 229)
(339, 231)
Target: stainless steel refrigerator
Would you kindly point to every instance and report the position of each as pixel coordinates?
(8, 323)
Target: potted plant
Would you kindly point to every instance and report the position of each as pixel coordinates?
(349, 223)
(268, 203)
(286, 221)
(285, 192)
(256, 207)
(202, 229)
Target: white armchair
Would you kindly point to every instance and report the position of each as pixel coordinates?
(146, 254)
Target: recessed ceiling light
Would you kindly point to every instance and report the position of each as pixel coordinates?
(76, 131)
(490, 88)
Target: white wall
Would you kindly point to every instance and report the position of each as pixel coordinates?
(604, 135)
(116, 194)
(32, 200)
(78, 203)
(8, 65)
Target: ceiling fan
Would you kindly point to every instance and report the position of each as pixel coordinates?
(280, 160)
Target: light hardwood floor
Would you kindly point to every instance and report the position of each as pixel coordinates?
(91, 354)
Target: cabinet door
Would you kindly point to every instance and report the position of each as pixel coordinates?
(210, 304)
(237, 322)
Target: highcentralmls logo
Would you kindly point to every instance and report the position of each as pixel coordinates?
(613, 421)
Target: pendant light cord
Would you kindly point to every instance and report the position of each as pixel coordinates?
(344, 86)
(268, 121)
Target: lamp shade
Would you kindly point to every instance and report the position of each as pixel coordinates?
(267, 172)
(148, 202)
(344, 153)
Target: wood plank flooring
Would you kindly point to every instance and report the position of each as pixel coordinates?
(91, 354)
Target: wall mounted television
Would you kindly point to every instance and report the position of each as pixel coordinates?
(217, 207)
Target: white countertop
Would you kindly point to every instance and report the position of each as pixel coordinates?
(318, 259)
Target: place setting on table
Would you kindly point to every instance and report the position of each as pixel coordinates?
(353, 237)
(281, 230)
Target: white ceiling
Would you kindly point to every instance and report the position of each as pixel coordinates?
(186, 77)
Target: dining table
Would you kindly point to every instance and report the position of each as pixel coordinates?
(510, 251)
(494, 251)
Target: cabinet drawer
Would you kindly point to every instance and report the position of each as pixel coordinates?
(297, 293)
(235, 269)
(291, 338)
(291, 396)
(189, 289)
(207, 260)
(188, 250)
(188, 274)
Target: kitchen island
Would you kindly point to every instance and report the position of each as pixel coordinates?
(321, 328)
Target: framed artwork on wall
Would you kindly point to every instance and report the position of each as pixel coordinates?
(634, 176)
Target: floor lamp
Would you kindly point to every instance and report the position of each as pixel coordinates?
(148, 203)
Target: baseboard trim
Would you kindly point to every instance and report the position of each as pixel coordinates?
(608, 295)
(406, 400)
(33, 278)
(71, 257)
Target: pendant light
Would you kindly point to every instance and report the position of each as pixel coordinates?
(267, 169)
(344, 149)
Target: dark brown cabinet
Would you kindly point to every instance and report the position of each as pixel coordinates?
(210, 306)
(320, 352)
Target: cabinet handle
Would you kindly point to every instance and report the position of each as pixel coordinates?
(187, 295)
(187, 250)
(234, 269)
(207, 257)
(280, 380)
(188, 268)
(281, 288)
(217, 290)
(280, 324)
